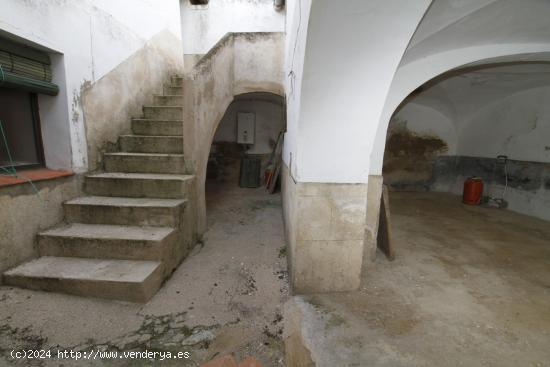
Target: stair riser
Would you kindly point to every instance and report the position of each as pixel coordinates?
(144, 127)
(141, 144)
(163, 113)
(144, 164)
(168, 100)
(137, 188)
(105, 248)
(171, 90)
(131, 292)
(121, 215)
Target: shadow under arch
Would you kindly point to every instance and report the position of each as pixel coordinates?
(222, 167)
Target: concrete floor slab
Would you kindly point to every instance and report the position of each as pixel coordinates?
(470, 286)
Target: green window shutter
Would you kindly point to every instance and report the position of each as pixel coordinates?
(25, 68)
(9, 80)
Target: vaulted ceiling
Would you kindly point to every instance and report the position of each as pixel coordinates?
(461, 93)
(455, 24)
(452, 24)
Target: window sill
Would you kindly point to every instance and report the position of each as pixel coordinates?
(40, 174)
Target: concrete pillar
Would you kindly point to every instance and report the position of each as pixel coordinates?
(328, 230)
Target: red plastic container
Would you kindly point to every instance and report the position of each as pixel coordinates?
(473, 191)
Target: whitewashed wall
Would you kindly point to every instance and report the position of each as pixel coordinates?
(336, 98)
(204, 25)
(517, 126)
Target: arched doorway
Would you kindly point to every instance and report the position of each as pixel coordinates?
(246, 146)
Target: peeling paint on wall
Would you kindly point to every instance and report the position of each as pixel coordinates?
(78, 144)
(111, 102)
(409, 157)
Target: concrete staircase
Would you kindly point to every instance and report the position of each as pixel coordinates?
(125, 238)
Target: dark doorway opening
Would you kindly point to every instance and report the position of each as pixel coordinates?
(21, 141)
(246, 146)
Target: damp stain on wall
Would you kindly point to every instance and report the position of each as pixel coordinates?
(409, 157)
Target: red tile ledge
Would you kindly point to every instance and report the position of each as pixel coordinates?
(40, 174)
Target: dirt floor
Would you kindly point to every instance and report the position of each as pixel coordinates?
(226, 297)
(470, 287)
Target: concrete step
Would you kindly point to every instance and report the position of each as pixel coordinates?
(138, 185)
(170, 89)
(151, 144)
(168, 100)
(163, 112)
(102, 241)
(125, 211)
(176, 80)
(126, 280)
(144, 162)
(157, 127)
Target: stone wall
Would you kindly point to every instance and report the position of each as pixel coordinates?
(25, 212)
(329, 232)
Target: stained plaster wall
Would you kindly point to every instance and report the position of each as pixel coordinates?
(519, 127)
(87, 39)
(109, 103)
(204, 25)
(417, 136)
(25, 212)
